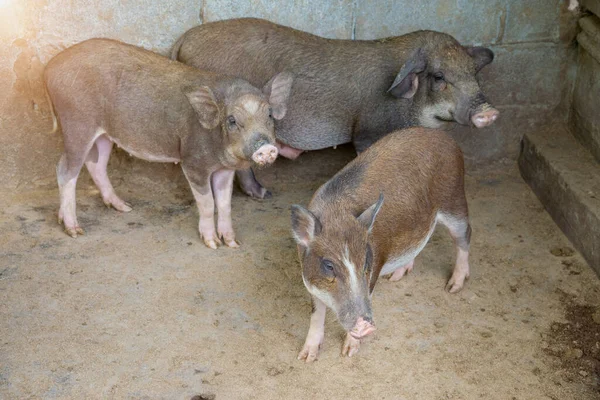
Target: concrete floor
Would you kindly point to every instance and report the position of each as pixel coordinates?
(138, 307)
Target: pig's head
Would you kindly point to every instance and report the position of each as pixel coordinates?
(246, 116)
(440, 77)
(336, 260)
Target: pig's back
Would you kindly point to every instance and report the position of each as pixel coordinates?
(124, 89)
(418, 170)
(332, 76)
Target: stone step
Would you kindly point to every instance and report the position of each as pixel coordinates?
(585, 113)
(566, 179)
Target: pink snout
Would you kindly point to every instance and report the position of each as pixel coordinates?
(266, 154)
(485, 118)
(362, 328)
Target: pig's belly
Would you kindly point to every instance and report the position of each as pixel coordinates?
(313, 135)
(154, 152)
(404, 256)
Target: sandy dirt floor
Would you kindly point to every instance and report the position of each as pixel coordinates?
(139, 308)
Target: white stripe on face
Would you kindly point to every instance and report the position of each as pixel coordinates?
(354, 286)
(251, 104)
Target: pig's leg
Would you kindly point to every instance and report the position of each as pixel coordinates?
(316, 332)
(67, 182)
(222, 186)
(247, 179)
(460, 230)
(206, 206)
(78, 141)
(400, 272)
(351, 345)
(96, 163)
(250, 186)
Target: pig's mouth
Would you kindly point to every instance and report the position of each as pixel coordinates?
(446, 118)
(265, 155)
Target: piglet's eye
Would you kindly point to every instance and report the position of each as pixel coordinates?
(327, 265)
(438, 76)
(231, 120)
(270, 113)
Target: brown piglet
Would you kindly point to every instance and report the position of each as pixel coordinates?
(373, 218)
(106, 92)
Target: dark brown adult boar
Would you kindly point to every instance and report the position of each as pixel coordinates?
(373, 218)
(346, 90)
(107, 92)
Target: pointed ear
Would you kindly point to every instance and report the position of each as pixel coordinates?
(482, 56)
(205, 104)
(367, 218)
(278, 91)
(407, 82)
(305, 225)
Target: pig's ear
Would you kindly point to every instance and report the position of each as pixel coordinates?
(482, 56)
(278, 91)
(205, 104)
(305, 225)
(407, 82)
(367, 218)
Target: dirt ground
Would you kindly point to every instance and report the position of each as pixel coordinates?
(139, 308)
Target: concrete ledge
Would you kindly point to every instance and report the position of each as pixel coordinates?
(566, 179)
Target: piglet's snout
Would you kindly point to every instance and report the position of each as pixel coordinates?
(362, 328)
(266, 154)
(485, 118)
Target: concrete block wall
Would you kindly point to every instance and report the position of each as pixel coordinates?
(528, 80)
(585, 112)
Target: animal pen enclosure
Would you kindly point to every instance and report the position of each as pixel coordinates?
(139, 308)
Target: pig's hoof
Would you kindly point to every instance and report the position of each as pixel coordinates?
(118, 205)
(232, 243)
(257, 192)
(229, 239)
(126, 207)
(454, 285)
(212, 243)
(74, 231)
(351, 346)
(309, 352)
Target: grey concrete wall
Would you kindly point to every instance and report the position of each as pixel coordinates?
(585, 113)
(528, 79)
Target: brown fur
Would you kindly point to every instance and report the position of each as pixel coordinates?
(420, 174)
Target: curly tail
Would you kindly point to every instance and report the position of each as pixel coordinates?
(176, 47)
(51, 107)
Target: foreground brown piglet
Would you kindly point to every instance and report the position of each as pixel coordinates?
(107, 92)
(349, 235)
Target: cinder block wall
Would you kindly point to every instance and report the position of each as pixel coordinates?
(585, 112)
(528, 81)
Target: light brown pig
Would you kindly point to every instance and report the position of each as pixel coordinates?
(373, 218)
(106, 92)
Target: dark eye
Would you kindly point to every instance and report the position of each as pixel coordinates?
(231, 121)
(270, 113)
(327, 266)
(438, 76)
